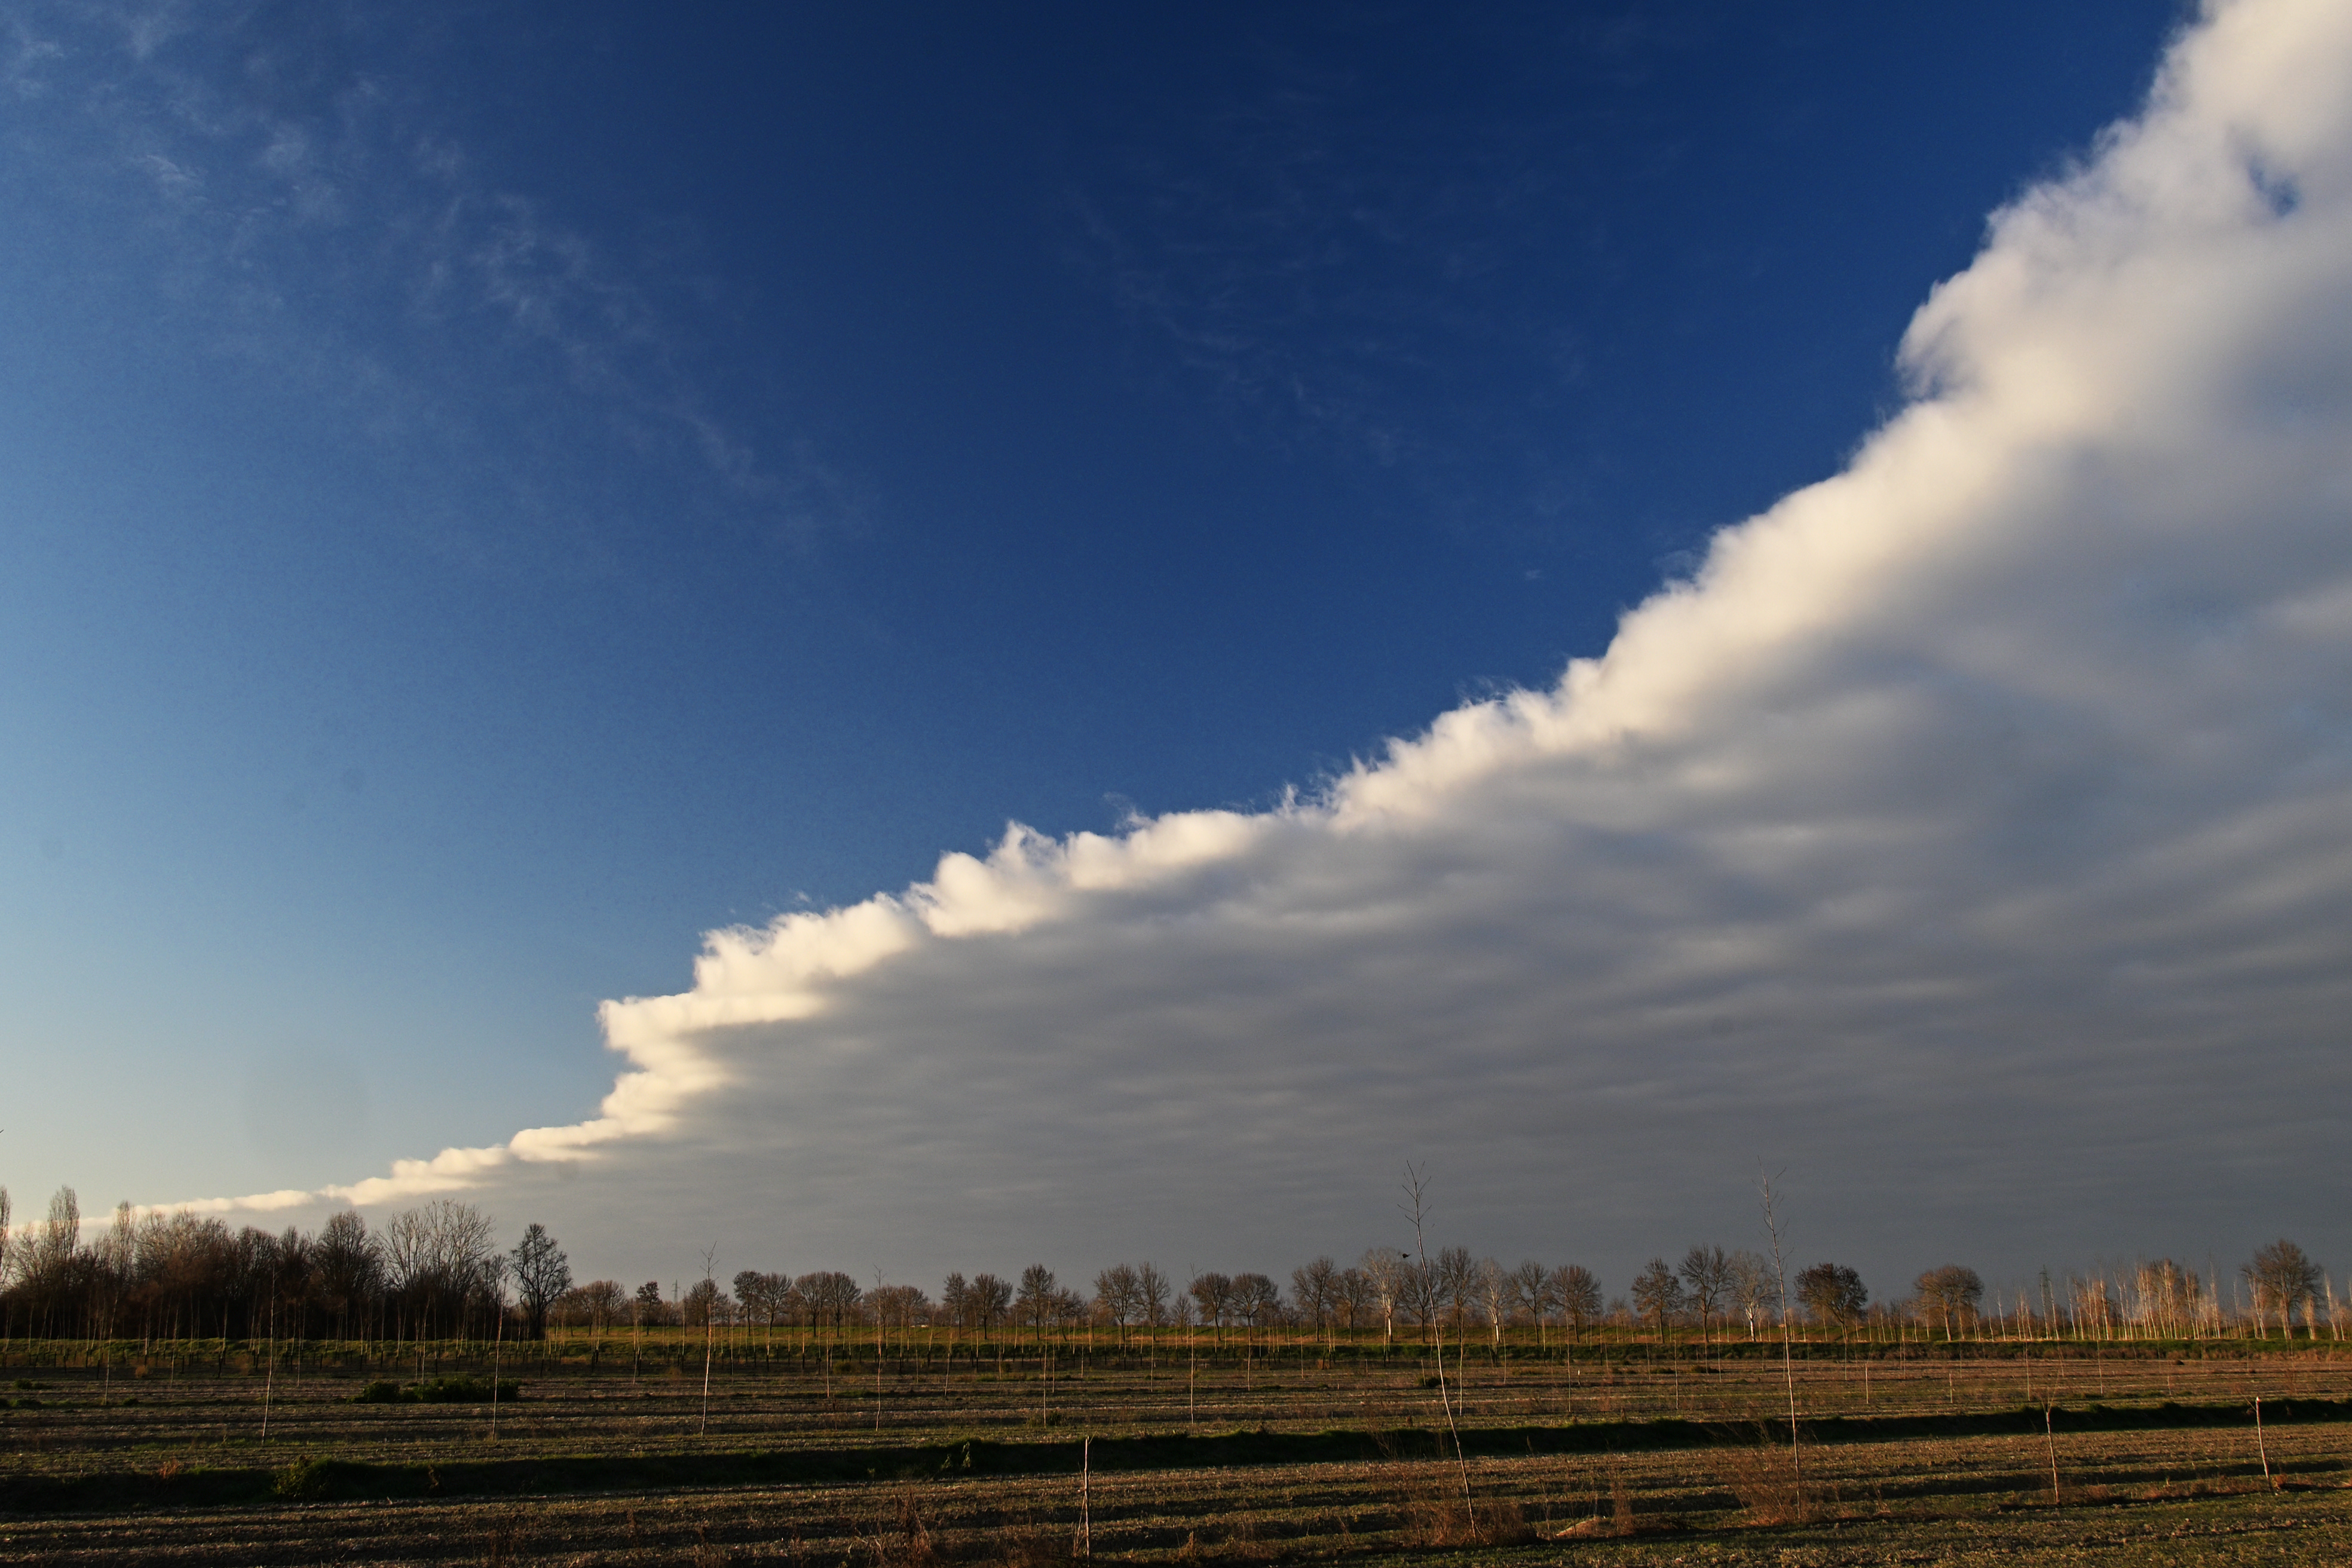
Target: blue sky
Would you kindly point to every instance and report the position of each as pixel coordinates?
(487, 496)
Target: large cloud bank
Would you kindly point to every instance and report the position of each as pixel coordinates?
(1972, 833)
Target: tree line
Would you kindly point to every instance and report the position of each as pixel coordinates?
(438, 1271)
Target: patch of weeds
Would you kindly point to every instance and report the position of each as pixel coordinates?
(1764, 1480)
(303, 1479)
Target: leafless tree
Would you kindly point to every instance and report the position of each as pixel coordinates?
(1314, 1287)
(1118, 1292)
(990, 1299)
(542, 1273)
(1531, 1286)
(1770, 1202)
(2166, 1297)
(350, 1266)
(1151, 1289)
(2280, 1277)
(1833, 1293)
(1415, 1209)
(1035, 1301)
(1949, 1295)
(1751, 1285)
(1355, 1297)
(1388, 1272)
(829, 1296)
(1577, 1293)
(1705, 1274)
(1498, 1290)
(899, 1307)
(1455, 1281)
(1213, 1294)
(705, 1305)
(1657, 1295)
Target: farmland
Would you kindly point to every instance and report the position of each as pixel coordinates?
(813, 1447)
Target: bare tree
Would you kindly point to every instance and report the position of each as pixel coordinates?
(1577, 1293)
(829, 1296)
(1833, 1293)
(899, 1307)
(1455, 1285)
(350, 1266)
(542, 1273)
(1705, 1275)
(1256, 1300)
(1751, 1285)
(1531, 1284)
(1118, 1291)
(1314, 1286)
(1415, 1208)
(1498, 1290)
(1354, 1296)
(1213, 1294)
(990, 1298)
(1151, 1288)
(1036, 1298)
(1771, 1205)
(1949, 1293)
(1657, 1295)
(1387, 1271)
(2280, 1277)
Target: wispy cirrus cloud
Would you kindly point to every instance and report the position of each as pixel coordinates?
(1973, 830)
(277, 186)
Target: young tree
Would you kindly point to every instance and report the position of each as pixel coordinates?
(542, 1273)
(1657, 1295)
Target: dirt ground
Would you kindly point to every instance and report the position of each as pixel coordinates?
(2156, 1460)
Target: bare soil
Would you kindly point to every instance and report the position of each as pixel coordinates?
(1926, 1460)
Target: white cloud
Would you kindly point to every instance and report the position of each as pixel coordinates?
(1973, 832)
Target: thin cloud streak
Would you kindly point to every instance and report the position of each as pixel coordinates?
(1971, 826)
(320, 219)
